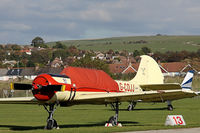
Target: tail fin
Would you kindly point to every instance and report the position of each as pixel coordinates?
(149, 72)
(187, 82)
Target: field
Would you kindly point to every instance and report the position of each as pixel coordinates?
(91, 118)
(156, 43)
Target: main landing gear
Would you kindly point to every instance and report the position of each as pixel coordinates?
(51, 123)
(169, 105)
(113, 120)
(131, 106)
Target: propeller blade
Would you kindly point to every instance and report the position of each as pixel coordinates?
(19, 86)
(53, 88)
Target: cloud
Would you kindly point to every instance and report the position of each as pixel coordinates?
(22, 20)
(11, 26)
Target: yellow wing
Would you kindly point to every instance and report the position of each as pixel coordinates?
(19, 100)
(146, 96)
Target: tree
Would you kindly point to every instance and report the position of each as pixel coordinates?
(16, 47)
(3, 55)
(1, 47)
(41, 57)
(19, 64)
(146, 50)
(136, 53)
(30, 64)
(89, 63)
(110, 51)
(59, 45)
(63, 53)
(73, 50)
(38, 42)
(8, 47)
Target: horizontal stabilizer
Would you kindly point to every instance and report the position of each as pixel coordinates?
(149, 87)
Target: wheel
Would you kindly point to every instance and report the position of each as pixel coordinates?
(55, 125)
(170, 107)
(130, 107)
(50, 124)
(112, 120)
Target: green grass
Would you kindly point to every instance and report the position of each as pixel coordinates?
(91, 118)
(156, 43)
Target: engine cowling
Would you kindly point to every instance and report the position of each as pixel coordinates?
(50, 82)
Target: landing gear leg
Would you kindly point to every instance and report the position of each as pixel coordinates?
(169, 105)
(114, 119)
(131, 106)
(51, 123)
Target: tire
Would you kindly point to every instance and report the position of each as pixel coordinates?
(112, 120)
(170, 108)
(130, 107)
(55, 125)
(50, 124)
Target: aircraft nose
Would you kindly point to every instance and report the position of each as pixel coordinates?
(39, 90)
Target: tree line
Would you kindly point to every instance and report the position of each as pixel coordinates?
(42, 54)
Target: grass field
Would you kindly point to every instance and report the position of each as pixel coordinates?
(156, 43)
(91, 118)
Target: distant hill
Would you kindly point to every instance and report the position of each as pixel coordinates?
(156, 43)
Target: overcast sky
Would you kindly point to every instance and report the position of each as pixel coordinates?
(54, 20)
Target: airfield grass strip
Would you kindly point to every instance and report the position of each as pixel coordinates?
(91, 118)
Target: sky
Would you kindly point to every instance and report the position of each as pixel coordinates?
(56, 20)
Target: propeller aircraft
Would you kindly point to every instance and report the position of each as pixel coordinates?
(76, 85)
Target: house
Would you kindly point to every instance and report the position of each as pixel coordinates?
(51, 70)
(175, 68)
(11, 62)
(117, 68)
(57, 62)
(3, 74)
(27, 51)
(131, 68)
(123, 68)
(100, 56)
(168, 69)
(14, 73)
(28, 73)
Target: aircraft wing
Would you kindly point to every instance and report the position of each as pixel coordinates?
(146, 96)
(18, 100)
(169, 86)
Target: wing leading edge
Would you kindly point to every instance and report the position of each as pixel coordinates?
(146, 96)
(18, 100)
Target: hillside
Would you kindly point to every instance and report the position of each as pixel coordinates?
(156, 43)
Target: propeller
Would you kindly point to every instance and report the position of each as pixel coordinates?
(21, 86)
(51, 88)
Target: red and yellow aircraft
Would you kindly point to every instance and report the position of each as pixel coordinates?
(89, 86)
